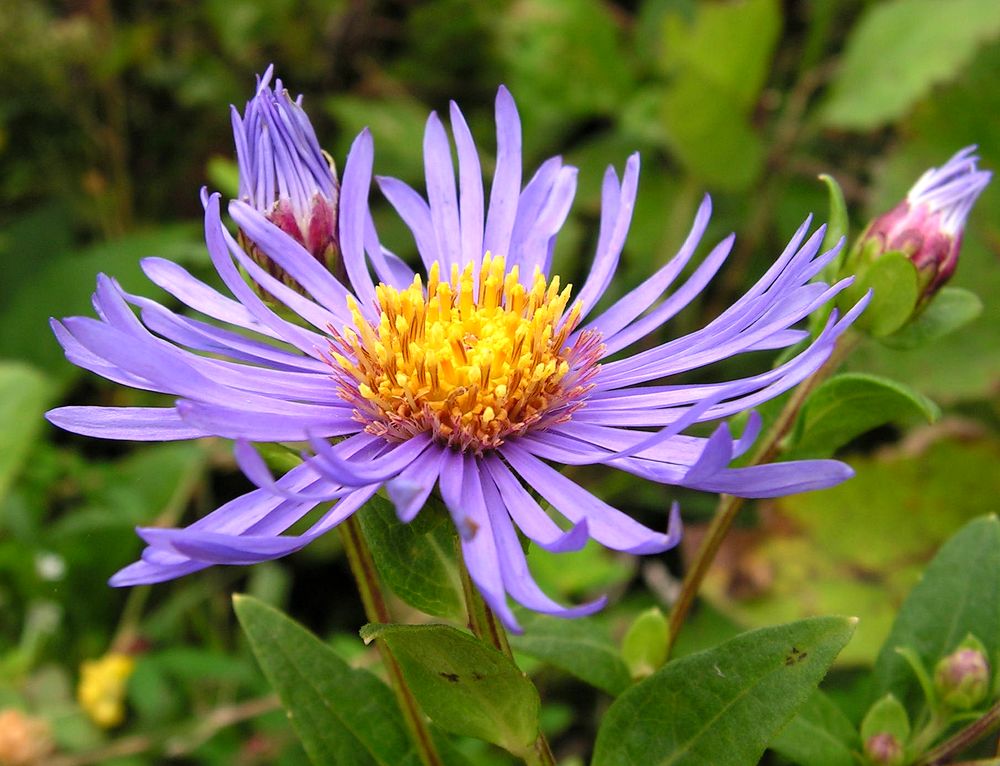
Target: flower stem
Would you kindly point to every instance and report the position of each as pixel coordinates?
(964, 739)
(488, 628)
(363, 568)
(729, 506)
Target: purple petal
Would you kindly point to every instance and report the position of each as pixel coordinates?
(415, 214)
(441, 195)
(617, 206)
(517, 579)
(506, 186)
(534, 522)
(255, 469)
(411, 488)
(462, 491)
(355, 473)
(608, 525)
(352, 216)
(471, 188)
(132, 423)
(233, 423)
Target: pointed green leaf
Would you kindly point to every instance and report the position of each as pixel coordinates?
(886, 716)
(24, 395)
(343, 716)
(850, 404)
(837, 221)
(721, 706)
(899, 51)
(464, 686)
(581, 647)
(819, 735)
(958, 594)
(416, 560)
(951, 309)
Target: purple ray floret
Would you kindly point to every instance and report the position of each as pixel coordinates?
(470, 378)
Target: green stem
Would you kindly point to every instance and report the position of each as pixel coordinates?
(730, 506)
(485, 625)
(363, 568)
(964, 739)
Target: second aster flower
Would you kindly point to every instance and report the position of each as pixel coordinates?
(470, 376)
(286, 176)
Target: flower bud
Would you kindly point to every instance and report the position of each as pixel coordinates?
(24, 740)
(928, 225)
(884, 749)
(286, 177)
(962, 679)
(101, 691)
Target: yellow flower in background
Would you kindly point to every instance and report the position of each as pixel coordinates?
(101, 692)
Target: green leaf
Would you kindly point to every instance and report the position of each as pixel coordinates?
(64, 286)
(715, 64)
(951, 309)
(416, 560)
(859, 547)
(819, 735)
(464, 686)
(705, 131)
(644, 647)
(837, 225)
(899, 51)
(581, 647)
(958, 594)
(894, 281)
(564, 59)
(721, 706)
(342, 715)
(729, 44)
(24, 395)
(886, 716)
(398, 125)
(224, 175)
(850, 404)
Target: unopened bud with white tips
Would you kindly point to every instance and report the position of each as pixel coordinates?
(929, 224)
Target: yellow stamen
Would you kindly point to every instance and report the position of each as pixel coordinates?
(474, 360)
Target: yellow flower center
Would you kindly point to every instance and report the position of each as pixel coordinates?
(473, 360)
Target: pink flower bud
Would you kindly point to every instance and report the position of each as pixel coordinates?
(286, 177)
(884, 749)
(963, 678)
(928, 225)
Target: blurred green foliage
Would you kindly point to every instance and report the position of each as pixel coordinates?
(113, 115)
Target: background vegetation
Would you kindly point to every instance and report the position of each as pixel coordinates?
(113, 115)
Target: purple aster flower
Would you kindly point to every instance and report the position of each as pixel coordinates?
(928, 225)
(285, 175)
(471, 379)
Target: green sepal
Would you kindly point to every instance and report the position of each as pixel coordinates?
(644, 647)
(886, 716)
(895, 284)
